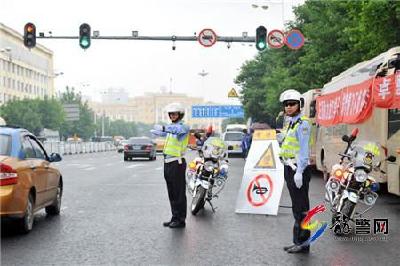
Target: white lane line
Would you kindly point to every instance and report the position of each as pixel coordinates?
(89, 169)
(158, 168)
(134, 165)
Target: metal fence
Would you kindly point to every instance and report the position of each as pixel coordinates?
(67, 148)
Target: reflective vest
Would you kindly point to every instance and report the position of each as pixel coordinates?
(174, 147)
(290, 147)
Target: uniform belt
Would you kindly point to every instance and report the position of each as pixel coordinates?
(173, 159)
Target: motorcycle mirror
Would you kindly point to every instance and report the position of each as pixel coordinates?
(345, 138)
(354, 134)
(197, 135)
(391, 158)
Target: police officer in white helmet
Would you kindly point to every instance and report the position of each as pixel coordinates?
(177, 137)
(295, 156)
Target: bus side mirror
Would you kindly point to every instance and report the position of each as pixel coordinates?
(391, 158)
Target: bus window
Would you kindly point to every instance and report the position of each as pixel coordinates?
(394, 121)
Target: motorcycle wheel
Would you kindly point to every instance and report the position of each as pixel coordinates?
(348, 208)
(199, 200)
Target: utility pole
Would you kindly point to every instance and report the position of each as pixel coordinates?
(102, 124)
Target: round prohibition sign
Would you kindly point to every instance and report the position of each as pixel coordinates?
(261, 185)
(276, 39)
(207, 37)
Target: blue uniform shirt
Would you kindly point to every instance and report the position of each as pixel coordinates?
(303, 134)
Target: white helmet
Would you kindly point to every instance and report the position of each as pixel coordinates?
(175, 108)
(290, 95)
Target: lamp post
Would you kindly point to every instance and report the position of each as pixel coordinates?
(265, 6)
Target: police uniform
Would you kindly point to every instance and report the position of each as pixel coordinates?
(177, 138)
(295, 155)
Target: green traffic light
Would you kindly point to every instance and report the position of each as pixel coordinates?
(261, 46)
(84, 42)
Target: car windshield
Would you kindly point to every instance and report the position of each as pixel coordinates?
(233, 136)
(5, 144)
(139, 141)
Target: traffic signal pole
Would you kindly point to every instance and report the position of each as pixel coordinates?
(228, 39)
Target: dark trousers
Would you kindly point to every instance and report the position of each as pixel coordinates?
(174, 174)
(300, 203)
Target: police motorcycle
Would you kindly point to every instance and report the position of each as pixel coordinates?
(207, 174)
(350, 182)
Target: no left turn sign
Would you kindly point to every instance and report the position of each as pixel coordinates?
(207, 37)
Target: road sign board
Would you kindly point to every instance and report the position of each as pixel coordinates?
(207, 37)
(294, 39)
(232, 93)
(276, 39)
(222, 111)
(71, 111)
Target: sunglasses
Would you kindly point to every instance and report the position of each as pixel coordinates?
(286, 104)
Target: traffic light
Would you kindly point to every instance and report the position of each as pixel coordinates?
(261, 38)
(84, 36)
(30, 35)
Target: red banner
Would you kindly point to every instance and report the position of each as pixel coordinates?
(386, 91)
(350, 105)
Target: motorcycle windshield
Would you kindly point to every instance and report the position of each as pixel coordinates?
(366, 154)
(214, 148)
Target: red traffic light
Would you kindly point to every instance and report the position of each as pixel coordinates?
(30, 35)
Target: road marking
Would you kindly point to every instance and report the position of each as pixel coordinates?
(159, 168)
(134, 165)
(89, 169)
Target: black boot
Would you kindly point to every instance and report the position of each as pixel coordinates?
(286, 248)
(299, 249)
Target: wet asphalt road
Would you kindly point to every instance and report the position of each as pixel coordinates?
(112, 214)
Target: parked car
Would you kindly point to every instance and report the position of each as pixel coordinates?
(234, 141)
(160, 142)
(121, 144)
(28, 180)
(140, 147)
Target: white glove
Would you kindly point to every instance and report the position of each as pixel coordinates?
(298, 180)
(158, 127)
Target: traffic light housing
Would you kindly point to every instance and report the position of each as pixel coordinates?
(261, 38)
(84, 36)
(30, 35)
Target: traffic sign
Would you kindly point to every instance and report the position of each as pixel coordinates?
(267, 160)
(207, 37)
(259, 190)
(71, 111)
(294, 39)
(276, 39)
(232, 93)
(225, 111)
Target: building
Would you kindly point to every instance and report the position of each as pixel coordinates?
(24, 73)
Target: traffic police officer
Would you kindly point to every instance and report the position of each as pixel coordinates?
(295, 156)
(177, 138)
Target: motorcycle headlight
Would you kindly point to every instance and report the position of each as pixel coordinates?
(209, 166)
(360, 175)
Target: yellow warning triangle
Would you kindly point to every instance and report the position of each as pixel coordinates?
(267, 160)
(233, 94)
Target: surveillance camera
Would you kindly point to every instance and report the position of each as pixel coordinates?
(228, 45)
(173, 47)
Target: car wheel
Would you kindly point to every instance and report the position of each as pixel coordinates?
(55, 207)
(27, 220)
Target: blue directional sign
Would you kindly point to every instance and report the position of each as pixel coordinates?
(214, 111)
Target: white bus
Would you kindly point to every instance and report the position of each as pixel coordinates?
(382, 126)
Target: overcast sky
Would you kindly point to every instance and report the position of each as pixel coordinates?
(146, 66)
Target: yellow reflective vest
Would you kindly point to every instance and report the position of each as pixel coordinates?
(290, 146)
(174, 147)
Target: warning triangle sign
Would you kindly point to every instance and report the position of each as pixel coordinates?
(267, 160)
(233, 94)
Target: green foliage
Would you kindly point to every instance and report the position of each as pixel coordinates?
(338, 35)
